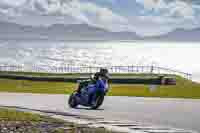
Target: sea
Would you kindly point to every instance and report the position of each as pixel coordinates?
(183, 56)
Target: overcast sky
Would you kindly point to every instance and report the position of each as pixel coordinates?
(145, 17)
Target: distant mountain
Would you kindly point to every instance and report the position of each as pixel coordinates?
(62, 32)
(179, 35)
(78, 32)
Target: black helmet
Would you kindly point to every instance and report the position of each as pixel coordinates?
(104, 72)
(96, 75)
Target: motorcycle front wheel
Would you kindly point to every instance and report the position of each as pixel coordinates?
(98, 102)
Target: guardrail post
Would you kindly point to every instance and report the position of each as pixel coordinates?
(152, 69)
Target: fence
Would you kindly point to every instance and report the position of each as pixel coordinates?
(90, 69)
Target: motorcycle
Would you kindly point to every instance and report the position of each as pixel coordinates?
(83, 98)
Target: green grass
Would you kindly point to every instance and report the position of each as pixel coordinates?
(184, 88)
(12, 115)
(27, 86)
(17, 121)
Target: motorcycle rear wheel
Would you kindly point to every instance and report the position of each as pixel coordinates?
(72, 102)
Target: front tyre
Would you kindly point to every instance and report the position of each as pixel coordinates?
(98, 102)
(72, 102)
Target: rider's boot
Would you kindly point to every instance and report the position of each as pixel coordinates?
(92, 100)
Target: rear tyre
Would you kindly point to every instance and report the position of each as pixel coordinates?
(72, 102)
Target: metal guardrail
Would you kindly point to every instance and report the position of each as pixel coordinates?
(91, 69)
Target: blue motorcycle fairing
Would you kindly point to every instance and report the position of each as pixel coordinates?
(87, 94)
(100, 86)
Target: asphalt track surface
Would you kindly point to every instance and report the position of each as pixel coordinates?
(178, 113)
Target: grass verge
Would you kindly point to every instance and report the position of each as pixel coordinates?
(184, 88)
(15, 121)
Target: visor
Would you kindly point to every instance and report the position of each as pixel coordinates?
(106, 75)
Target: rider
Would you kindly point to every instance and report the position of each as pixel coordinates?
(98, 83)
(101, 84)
(84, 83)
